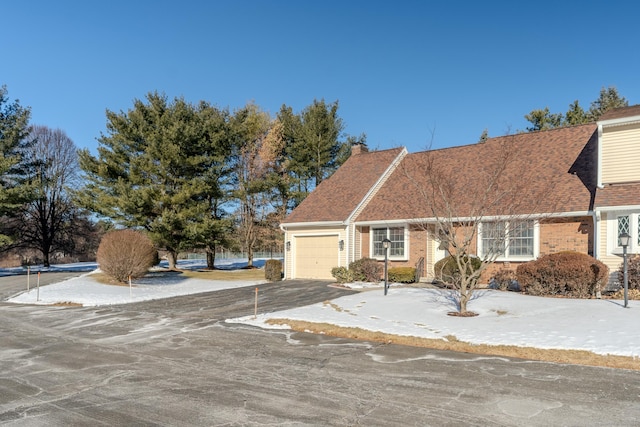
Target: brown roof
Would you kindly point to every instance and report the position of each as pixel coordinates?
(337, 197)
(548, 171)
(618, 195)
(618, 113)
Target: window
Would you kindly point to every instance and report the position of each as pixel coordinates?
(625, 222)
(395, 235)
(507, 239)
(623, 226)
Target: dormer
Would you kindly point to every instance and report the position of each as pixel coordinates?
(619, 146)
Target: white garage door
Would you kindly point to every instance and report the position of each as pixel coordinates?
(315, 256)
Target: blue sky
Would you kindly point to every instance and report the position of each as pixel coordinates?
(407, 73)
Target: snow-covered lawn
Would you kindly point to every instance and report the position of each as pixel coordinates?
(505, 318)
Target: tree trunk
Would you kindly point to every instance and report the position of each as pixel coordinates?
(211, 259)
(172, 257)
(250, 256)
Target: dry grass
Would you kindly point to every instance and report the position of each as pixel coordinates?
(228, 275)
(574, 357)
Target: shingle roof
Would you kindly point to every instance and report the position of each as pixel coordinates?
(618, 113)
(554, 171)
(337, 197)
(618, 195)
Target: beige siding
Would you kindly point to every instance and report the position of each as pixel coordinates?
(620, 154)
(604, 245)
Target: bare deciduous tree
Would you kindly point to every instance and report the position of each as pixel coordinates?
(469, 197)
(45, 223)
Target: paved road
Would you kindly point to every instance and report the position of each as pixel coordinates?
(176, 362)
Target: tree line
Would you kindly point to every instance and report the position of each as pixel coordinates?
(194, 176)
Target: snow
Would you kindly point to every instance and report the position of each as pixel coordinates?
(602, 326)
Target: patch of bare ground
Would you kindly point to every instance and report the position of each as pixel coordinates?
(574, 357)
(227, 275)
(67, 304)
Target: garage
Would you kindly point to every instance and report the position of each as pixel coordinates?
(315, 256)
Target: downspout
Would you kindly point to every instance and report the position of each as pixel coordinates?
(596, 233)
(284, 252)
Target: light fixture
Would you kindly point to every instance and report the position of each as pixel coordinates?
(624, 242)
(385, 244)
(341, 245)
(288, 246)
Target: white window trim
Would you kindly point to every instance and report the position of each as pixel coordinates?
(404, 257)
(514, 258)
(612, 232)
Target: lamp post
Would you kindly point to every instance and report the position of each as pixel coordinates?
(624, 242)
(385, 244)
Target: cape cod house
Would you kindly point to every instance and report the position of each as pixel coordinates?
(595, 196)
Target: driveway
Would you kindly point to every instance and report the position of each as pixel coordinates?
(175, 362)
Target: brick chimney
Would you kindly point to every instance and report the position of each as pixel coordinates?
(358, 149)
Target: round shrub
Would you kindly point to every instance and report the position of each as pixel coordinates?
(633, 272)
(273, 270)
(446, 270)
(402, 274)
(125, 254)
(366, 270)
(571, 274)
(342, 274)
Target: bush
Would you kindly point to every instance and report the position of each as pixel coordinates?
(342, 274)
(571, 274)
(366, 270)
(633, 272)
(504, 280)
(273, 270)
(402, 274)
(446, 270)
(125, 254)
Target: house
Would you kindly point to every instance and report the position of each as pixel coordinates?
(578, 186)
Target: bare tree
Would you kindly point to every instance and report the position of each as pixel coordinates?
(468, 197)
(46, 223)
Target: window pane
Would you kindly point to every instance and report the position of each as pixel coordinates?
(623, 226)
(379, 234)
(493, 238)
(521, 238)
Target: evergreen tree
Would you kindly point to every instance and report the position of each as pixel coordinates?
(608, 100)
(14, 164)
(544, 119)
(148, 171)
(576, 115)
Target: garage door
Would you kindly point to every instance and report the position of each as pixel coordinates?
(315, 256)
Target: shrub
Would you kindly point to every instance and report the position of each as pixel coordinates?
(125, 254)
(504, 280)
(446, 270)
(366, 270)
(633, 272)
(273, 270)
(402, 274)
(571, 274)
(342, 274)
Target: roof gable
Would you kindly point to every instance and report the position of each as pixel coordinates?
(337, 197)
(564, 157)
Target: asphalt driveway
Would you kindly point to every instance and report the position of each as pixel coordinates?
(175, 362)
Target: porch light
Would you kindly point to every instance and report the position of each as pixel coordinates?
(288, 246)
(624, 242)
(385, 244)
(341, 245)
